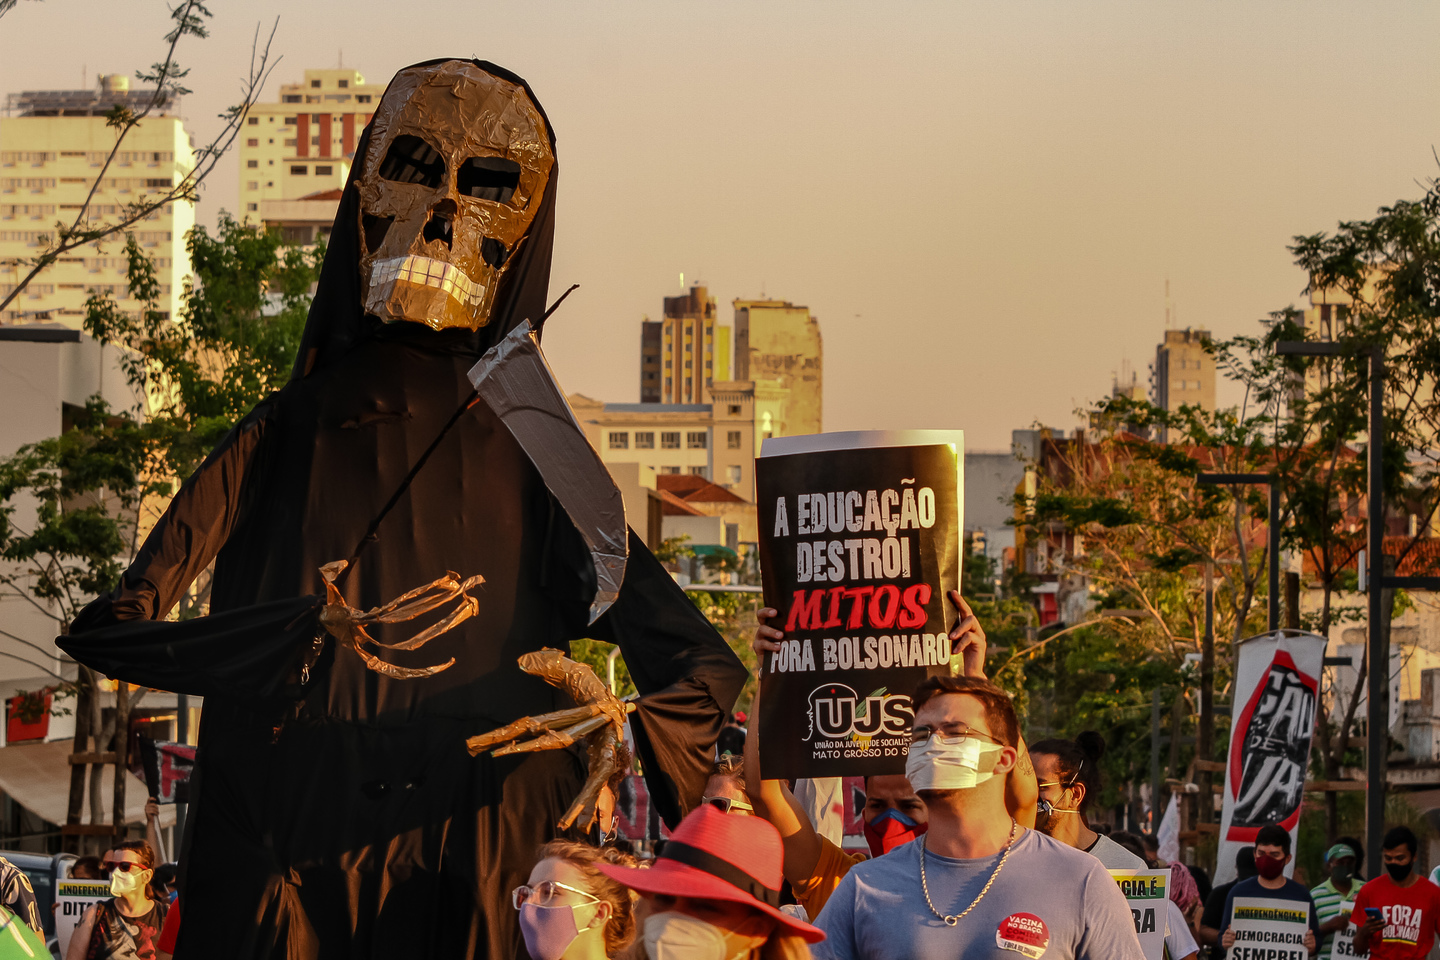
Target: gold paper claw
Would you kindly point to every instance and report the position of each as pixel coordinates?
(600, 716)
(347, 624)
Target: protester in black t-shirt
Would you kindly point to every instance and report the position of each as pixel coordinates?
(1215, 903)
(1272, 855)
(128, 926)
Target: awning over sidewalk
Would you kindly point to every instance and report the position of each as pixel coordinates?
(37, 776)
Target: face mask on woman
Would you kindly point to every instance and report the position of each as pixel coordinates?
(125, 882)
(549, 931)
(678, 936)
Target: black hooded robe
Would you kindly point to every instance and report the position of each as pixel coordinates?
(349, 821)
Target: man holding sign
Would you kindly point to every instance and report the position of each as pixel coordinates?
(1270, 917)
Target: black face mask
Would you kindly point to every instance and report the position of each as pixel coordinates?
(1398, 871)
(1341, 874)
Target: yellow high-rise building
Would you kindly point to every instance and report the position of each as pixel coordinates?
(53, 145)
(683, 354)
(295, 155)
(778, 347)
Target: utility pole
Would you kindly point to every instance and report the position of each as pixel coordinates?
(1205, 737)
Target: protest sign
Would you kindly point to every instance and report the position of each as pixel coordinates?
(72, 897)
(1276, 689)
(1344, 944)
(167, 769)
(1268, 929)
(859, 545)
(1146, 892)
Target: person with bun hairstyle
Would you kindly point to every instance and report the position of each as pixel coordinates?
(570, 910)
(1069, 775)
(714, 893)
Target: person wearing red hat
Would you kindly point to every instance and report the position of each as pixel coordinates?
(714, 893)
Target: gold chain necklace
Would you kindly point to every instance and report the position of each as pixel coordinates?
(950, 921)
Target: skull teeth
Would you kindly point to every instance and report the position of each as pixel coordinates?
(422, 271)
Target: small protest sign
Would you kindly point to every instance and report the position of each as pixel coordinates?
(1146, 891)
(167, 769)
(72, 898)
(1268, 929)
(859, 545)
(1344, 945)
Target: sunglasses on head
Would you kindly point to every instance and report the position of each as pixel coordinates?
(726, 804)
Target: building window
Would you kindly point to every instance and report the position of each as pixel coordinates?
(697, 471)
(670, 441)
(672, 471)
(363, 98)
(324, 171)
(619, 440)
(252, 185)
(644, 440)
(732, 473)
(314, 84)
(667, 384)
(253, 142)
(734, 409)
(291, 98)
(695, 440)
(299, 170)
(252, 164)
(342, 84)
(252, 207)
(254, 121)
(732, 439)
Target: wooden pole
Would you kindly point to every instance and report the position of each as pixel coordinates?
(75, 807)
(122, 760)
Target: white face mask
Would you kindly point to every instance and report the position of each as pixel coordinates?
(950, 763)
(125, 882)
(679, 936)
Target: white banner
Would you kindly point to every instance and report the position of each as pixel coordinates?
(72, 898)
(1146, 892)
(1268, 929)
(1277, 689)
(1344, 945)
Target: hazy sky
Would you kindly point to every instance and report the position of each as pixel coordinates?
(980, 201)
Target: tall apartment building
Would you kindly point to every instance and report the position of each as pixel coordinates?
(295, 155)
(53, 145)
(681, 355)
(1184, 372)
(778, 347)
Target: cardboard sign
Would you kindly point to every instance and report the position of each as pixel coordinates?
(1344, 943)
(1268, 929)
(1146, 891)
(167, 769)
(859, 545)
(72, 899)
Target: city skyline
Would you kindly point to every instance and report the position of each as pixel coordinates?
(982, 204)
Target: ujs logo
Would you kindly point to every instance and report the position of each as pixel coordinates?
(837, 712)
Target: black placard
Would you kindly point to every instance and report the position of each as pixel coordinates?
(858, 548)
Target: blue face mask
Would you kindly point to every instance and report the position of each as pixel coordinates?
(893, 814)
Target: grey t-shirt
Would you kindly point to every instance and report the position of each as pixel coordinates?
(1050, 900)
(1113, 856)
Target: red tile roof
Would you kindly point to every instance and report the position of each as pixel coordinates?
(695, 489)
(673, 506)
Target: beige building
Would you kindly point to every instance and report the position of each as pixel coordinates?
(681, 355)
(301, 147)
(710, 440)
(53, 146)
(1184, 371)
(778, 348)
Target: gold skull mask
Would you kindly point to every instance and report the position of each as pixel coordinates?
(455, 172)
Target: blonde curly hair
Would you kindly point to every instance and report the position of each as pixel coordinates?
(620, 928)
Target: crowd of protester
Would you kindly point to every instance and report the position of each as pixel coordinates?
(979, 833)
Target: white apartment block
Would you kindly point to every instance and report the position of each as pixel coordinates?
(302, 146)
(53, 145)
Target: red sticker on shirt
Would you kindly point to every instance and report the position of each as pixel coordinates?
(1024, 933)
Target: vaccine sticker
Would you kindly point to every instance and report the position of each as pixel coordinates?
(1024, 933)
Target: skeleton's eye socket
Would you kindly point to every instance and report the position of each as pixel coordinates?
(412, 160)
(488, 178)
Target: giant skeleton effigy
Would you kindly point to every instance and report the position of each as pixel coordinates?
(414, 515)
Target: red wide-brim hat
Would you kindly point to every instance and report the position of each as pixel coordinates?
(719, 856)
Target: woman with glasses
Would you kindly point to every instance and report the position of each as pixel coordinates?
(1069, 779)
(569, 910)
(127, 926)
